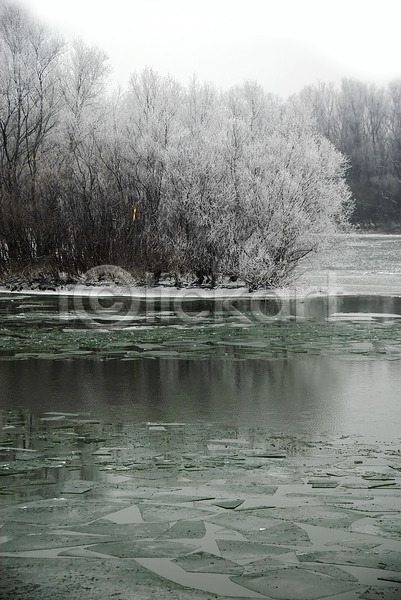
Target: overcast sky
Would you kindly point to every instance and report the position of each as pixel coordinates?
(283, 44)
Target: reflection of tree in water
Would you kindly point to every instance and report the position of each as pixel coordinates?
(285, 394)
(17, 426)
(270, 393)
(294, 393)
(370, 304)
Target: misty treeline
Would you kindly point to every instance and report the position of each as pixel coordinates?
(158, 177)
(363, 121)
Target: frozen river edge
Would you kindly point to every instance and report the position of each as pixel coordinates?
(244, 518)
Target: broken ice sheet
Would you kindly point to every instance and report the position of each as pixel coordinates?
(260, 502)
(185, 529)
(77, 486)
(320, 483)
(325, 516)
(393, 578)
(80, 552)
(282, 533)
(61, 511)
(295, 583)
(48, 541)
(145, 549)
(374, 559)
(129, 514)
(335, 572)
(14, 529)
(266, 530)
(259, 567)
(115, 479)
(160, 512)
(358, 544)
(381, 593)
(202, 562)
(229, 504)
(106, 527)
(229, 443)
(242, 521)
(388, 526)
(250, 485)
(239, 550)
(173, 498)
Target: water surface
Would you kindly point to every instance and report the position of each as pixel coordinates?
(309, 363)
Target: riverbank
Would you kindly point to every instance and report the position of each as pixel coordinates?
(360, 264)
(112, 277)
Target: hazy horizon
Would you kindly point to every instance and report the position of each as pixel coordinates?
(284, 48)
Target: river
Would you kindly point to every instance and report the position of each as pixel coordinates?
(325, 360)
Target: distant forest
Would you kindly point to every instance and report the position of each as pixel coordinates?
(185, 179)
(363, 121)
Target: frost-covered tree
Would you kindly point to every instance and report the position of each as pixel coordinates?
(150, 118)
(195, 190)
(158, 177)
(29, 109)
(393, 188)
(237, 183)
(83, 121)
(290, 197)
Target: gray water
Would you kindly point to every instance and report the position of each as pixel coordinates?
(307, 365)
(294, 395)
(365, 264)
